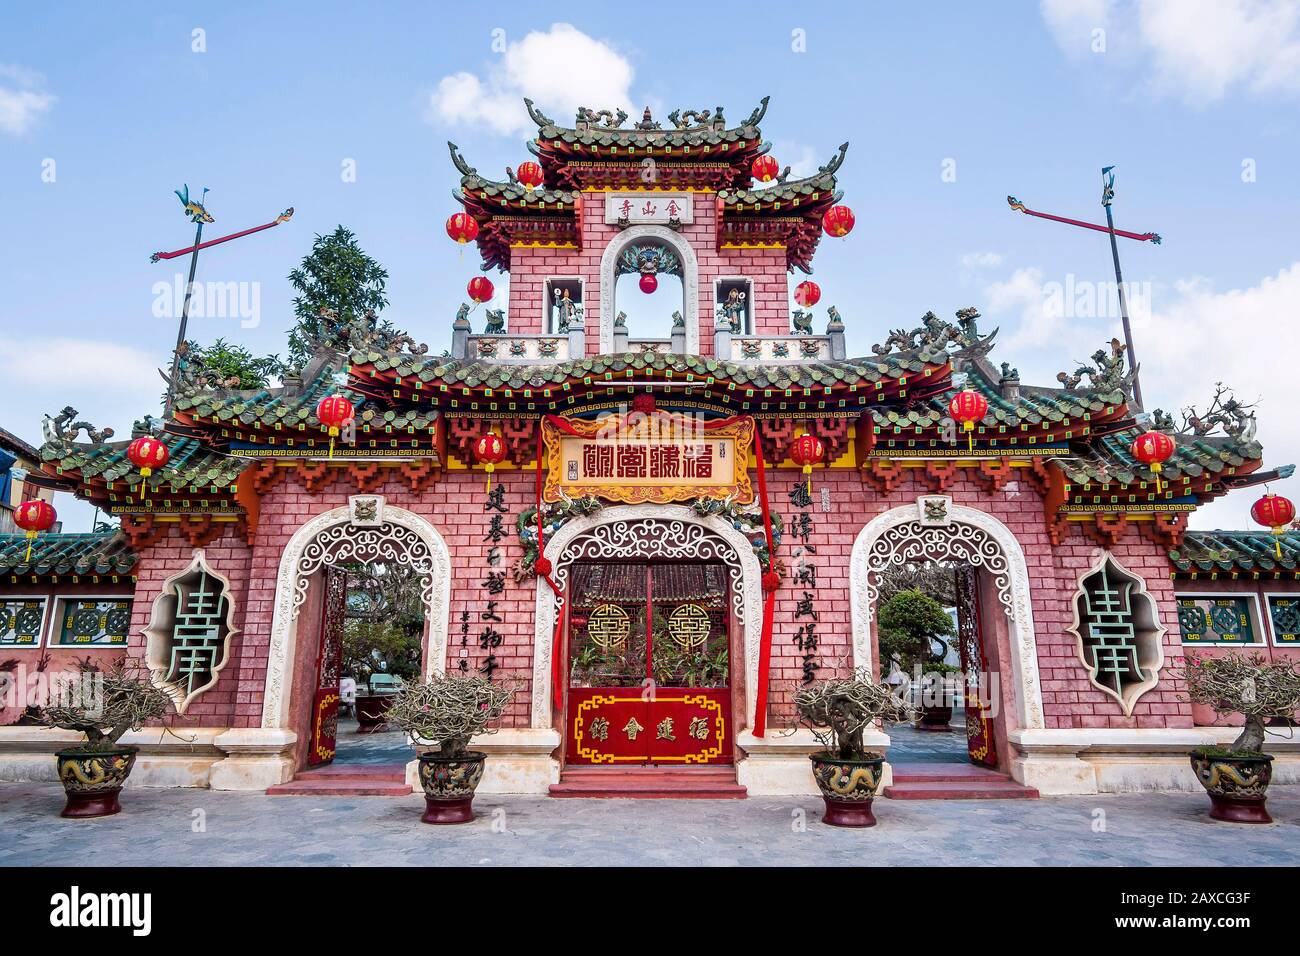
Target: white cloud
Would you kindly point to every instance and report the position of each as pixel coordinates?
(1197, 50)
(22, 98)
(78, 363)
(981, 260)
(560, 70)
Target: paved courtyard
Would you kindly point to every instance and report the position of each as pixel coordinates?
(207, 828)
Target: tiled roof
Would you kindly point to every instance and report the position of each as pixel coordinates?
(64, 555)
(820, 185)
(285, 407)
(594, 134)
(1109, 459)
(192, 467)
(1231, 551)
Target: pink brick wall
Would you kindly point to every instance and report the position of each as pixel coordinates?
(454, 505)
(529, 268)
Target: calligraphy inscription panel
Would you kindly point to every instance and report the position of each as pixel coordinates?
(649, 207)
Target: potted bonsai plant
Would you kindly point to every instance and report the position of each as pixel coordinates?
(449, 710)
(1237, 777)
(838, 711)
(914, 630)
(104, 706)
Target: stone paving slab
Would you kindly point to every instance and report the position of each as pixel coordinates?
(156, 827)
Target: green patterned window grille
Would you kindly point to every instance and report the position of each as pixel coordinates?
(94, 622)
(1215, 620)
(1285, 615)
(189, 632)
(1118, 630)
(20, 622)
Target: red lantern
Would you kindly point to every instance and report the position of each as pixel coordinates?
(807, 294)
(649, 283)
(34, 517)
(480, 289)
(838, 221)
(489, 451)
(462, 227)
(1276, 512)
(968, 407)
(806, 451)
(765, 168)
(1153, 449)
(530, 175)
(147, 453)
(334, 412)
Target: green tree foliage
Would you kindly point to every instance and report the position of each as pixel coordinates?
(339, 277)
(911, 624)
(226, 361)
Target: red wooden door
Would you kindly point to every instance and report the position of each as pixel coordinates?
(325, 702)
(649, 664)
(980, 744)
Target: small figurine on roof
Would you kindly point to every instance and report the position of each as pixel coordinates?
(802, 322)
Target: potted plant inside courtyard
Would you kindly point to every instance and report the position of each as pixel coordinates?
(441, 716)
(1237, 776)
(838, 712)
(914, 629)
(102, 705)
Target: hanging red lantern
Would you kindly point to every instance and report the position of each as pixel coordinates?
(1276, 513)
(838, 221)
(462, 227)
(765, 168)
(147, 453)
(807, 450)
(489, 451)
(334, 412)
(530, 175)
(1153, 449)
(807, 294)
(34, 517)
(649, 283)
(968, 407)
(480, 289)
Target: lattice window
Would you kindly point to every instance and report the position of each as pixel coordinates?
(1118, 631)
(21, 620)
(1215, 620)
(189, 632)
(94, 622)
(1285, 614)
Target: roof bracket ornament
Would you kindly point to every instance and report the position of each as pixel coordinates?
(760, 111)
(1225, 413)
(538, 117)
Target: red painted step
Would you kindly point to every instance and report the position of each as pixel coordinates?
(954, 782)
(346, 780)
(648, 783)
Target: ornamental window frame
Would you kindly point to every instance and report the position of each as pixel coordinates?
(1149, 633)
(60, 603)
(1268, 607)
(748, 326)
(1253, 608)
(42, 635)
(548, 325)
(160, 632)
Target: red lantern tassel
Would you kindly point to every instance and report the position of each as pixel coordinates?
(970, 435)
(31, 536)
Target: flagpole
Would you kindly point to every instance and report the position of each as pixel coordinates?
(185, 315)
(1107, 194)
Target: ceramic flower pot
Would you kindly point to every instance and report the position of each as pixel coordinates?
(1237, 785)
(449, 784)
(93, 780)
(848, 787)
(371, 711)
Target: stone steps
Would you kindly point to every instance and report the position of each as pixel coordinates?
(346, 780)
(954, 782)
(652, 783)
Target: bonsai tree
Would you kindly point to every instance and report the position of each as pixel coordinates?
(450, 709)
(123, 698)
(914, 631)
(1246, 684)
(839, 710)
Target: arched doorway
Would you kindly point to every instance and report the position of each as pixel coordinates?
(366, 529)
(937, 530)
(658, 533)
(619, 259)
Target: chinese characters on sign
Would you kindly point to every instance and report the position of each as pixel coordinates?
(493, 585)
(805, 576)
(648, 208)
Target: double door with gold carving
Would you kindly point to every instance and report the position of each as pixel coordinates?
(649, 664)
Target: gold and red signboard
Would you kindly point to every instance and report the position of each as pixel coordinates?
(656, 457)
(627, 726)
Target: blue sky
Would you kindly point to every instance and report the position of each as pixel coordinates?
(947, 109)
